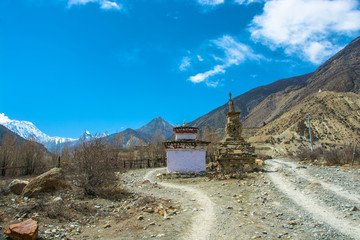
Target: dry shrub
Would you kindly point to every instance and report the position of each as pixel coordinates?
(344, 155)
(93, 166)
(334, 156)
(306, 154)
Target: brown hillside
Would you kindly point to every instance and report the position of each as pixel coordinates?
(248, 101)
(335, 119)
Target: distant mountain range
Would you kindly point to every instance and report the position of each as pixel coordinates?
(25, 130)
(28, 130)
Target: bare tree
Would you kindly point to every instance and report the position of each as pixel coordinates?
(214, 139)
(32, 157)
(157, 142)
(94, 165)
(119, 141)
(8, 152)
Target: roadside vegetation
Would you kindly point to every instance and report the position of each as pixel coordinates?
(344, 155)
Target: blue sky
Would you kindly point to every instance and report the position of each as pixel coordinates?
(105, 65)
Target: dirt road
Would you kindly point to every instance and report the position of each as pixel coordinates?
(287, 201)
(323, 204)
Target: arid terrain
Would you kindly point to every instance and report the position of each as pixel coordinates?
(286, 201)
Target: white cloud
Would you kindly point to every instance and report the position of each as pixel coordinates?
(200, 77)
(308, 28)
(110, 5)
(234, 54)
(185, 63)
(104, 4)
(212, 83)
(210, 2)
(247, 2)
(199, 58)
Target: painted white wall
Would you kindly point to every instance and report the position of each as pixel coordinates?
(186, 160)
(179, 136)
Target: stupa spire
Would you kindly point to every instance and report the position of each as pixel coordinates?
(231, 104)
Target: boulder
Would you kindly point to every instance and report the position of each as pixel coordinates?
(51, 181)
(26, 230)
(17, 186)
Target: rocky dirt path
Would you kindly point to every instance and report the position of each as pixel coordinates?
(326, 203)
(202, 221)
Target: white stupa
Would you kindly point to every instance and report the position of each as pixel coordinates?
(185, 153)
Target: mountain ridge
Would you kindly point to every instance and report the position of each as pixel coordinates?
(262, 105)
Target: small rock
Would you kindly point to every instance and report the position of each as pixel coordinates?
(141, 217)
(353, 209)
(148, 210)
(17, 186)
(229, 207)
(107, 225)
(57, 199)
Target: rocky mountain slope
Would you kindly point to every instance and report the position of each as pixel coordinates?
(335, 120)
(341, 73)
(249, 100)
(156, 128)
(157, 124)
(4, 130)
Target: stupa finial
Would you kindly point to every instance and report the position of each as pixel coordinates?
(184, 125)
(231, 104)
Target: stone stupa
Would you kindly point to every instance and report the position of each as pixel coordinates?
(234, 156)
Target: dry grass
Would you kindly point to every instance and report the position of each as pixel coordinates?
(335, 156)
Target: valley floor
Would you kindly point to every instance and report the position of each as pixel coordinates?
(287, 201)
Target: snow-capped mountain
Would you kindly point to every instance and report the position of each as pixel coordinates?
(28, 130)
